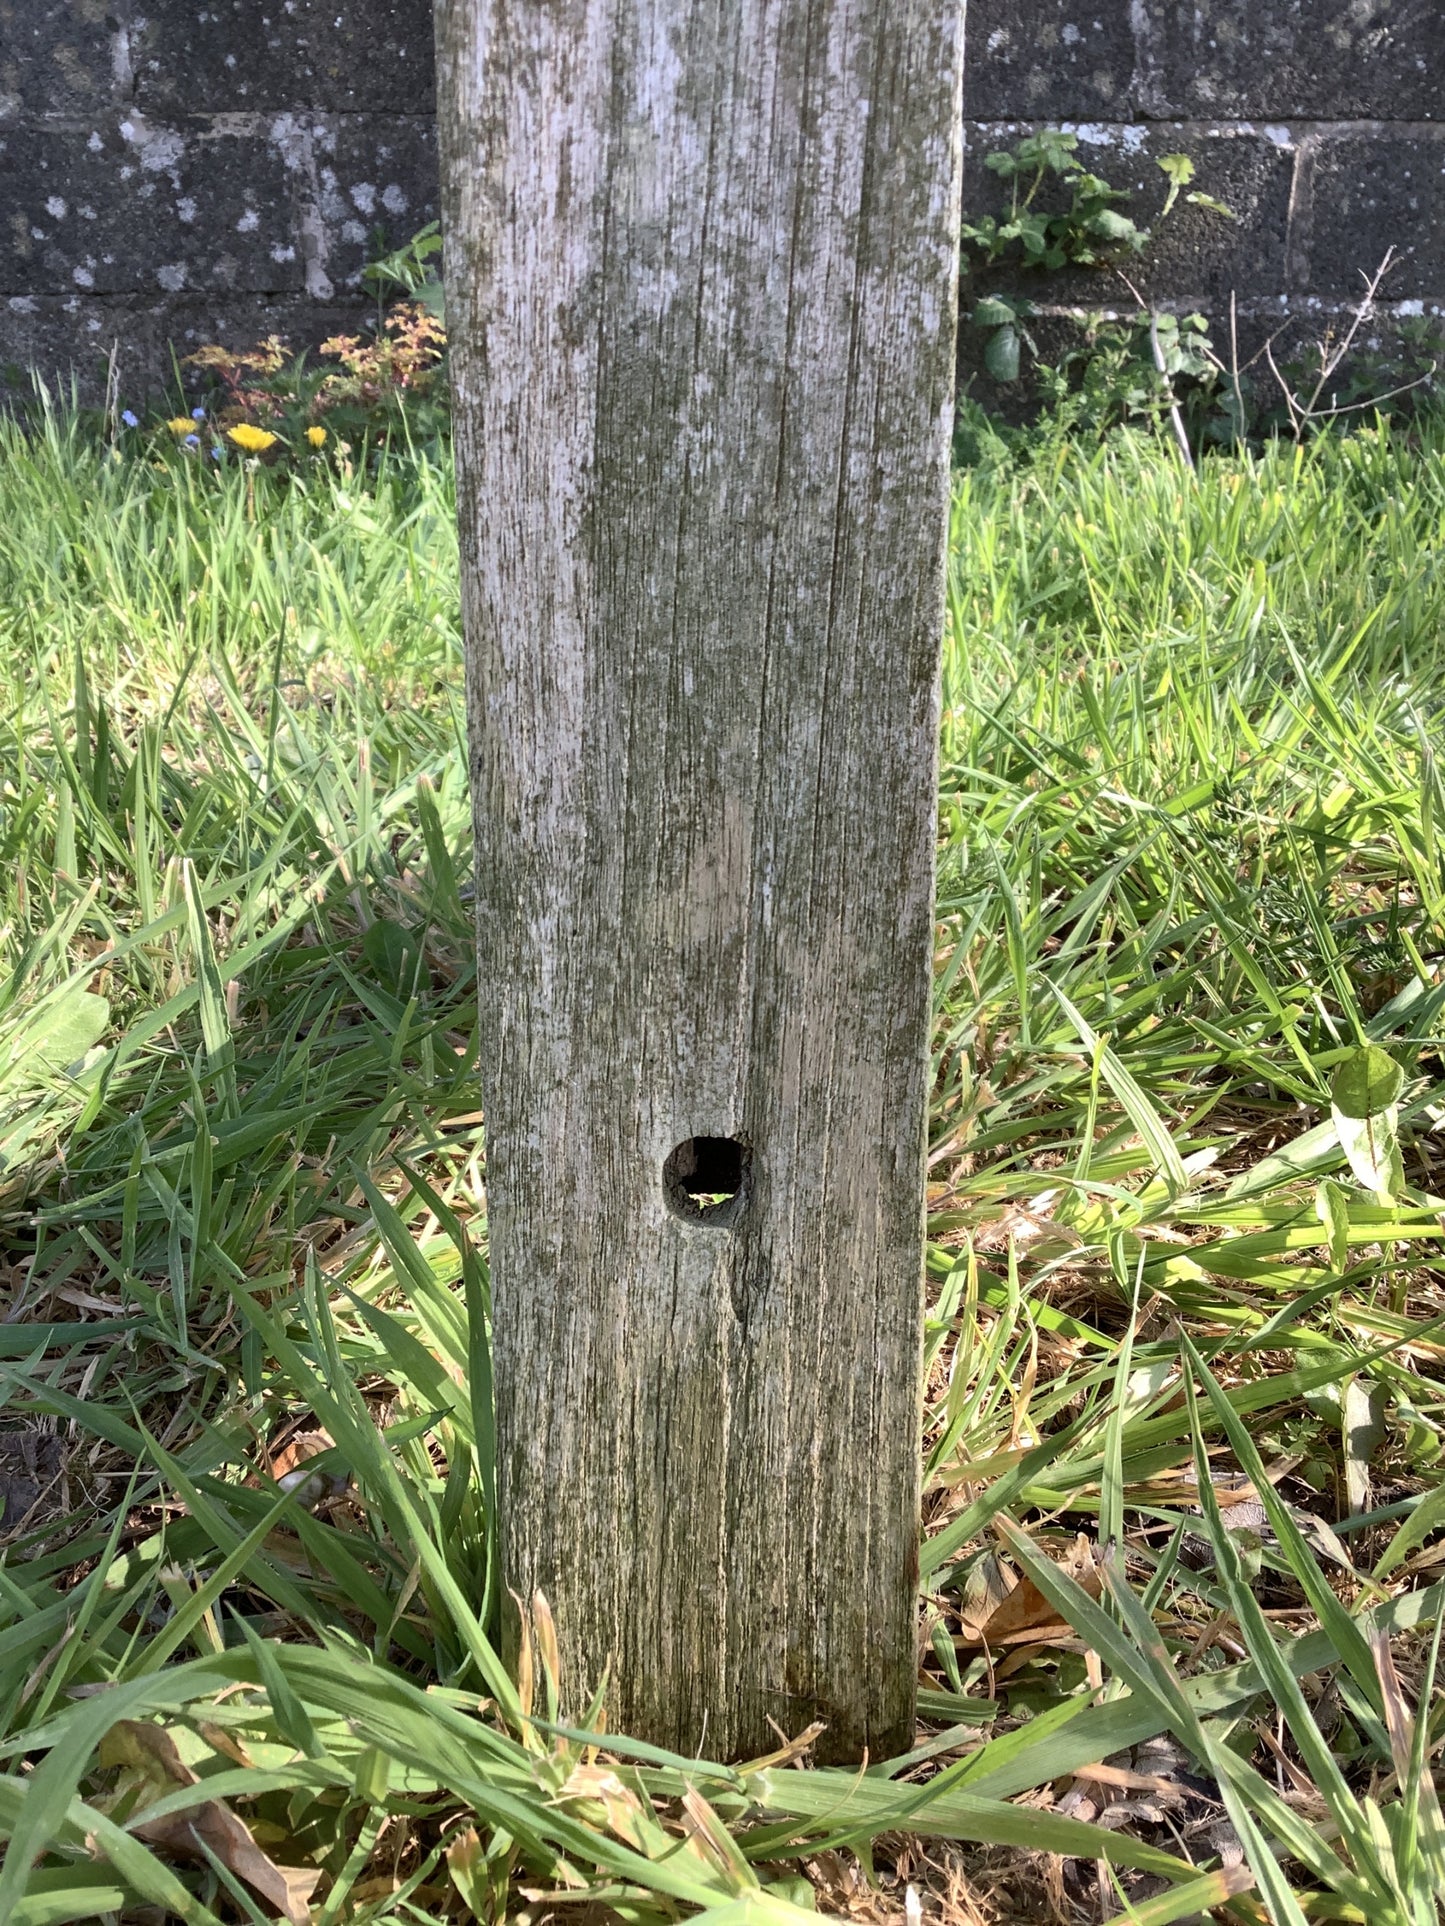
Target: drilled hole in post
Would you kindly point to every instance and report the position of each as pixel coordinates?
(705, 1180)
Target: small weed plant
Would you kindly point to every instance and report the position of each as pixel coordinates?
(1061, 215)
(388, 383)
(1134, 363)
(410, 271)
(273, 407)
(1088, 229)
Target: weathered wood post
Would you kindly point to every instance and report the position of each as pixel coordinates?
(701, 287)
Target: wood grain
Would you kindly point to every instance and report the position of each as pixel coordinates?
(701, 269)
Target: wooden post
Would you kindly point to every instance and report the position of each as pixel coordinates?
(701, 260)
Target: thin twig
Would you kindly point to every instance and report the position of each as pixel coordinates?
(1296, 415)
(1181, 436)
(1329, 364)
(1186, 453)
(1374, 401)
(1234, 370)
(1303, 413)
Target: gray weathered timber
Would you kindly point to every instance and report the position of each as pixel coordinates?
(701, 263)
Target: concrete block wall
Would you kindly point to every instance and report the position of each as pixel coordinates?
(172, 174)
(1321, 123)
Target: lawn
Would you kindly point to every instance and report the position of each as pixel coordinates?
(1185, 1334)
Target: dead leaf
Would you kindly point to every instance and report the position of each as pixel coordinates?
(1224, 1840)
(715, 1847)
(147, 1749)
(1364, 1423)
(544, 1628)
(148, 1753)
(380, 1886)
(467, 1865)
(1022, 1615)
(30, 1462)
(212, 1827)
(1127, 1781)
(622, 1806)
(1400, 1725)
(987, 1583)
(790, 1749)
(219, 1740)
(1025, 1615)
(1028, 1227)
(1181, 1486)
(1052, 1640)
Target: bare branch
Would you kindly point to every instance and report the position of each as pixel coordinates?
(1374, 401)
(1297, 416)
(1181, 436)
(1330, 362)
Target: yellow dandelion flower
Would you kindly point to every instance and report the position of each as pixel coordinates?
(317, 437)
(181, 425)
(255, 441)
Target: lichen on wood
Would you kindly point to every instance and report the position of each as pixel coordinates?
(701, 287)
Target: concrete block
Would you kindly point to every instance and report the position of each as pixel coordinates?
(378, 183)
(67, 339)
(347, 56)
(58, 59)
(1367, 190)
(1048, 60)
(1292, 59)
(146, 209)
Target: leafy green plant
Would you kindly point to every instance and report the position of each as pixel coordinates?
(1004, 320)
(1131, 370)
(411, 271)
(402, 363)
(1119, 370)
(1089, 230)
(390, 380)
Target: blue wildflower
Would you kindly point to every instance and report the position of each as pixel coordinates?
(130, 420)
(191, 441)
(215, 454)
(198, 414)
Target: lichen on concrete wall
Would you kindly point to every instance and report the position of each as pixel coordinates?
(172, 174)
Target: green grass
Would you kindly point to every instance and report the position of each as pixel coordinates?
(1190, 872)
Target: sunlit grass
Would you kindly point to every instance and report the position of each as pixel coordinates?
(1189, 866)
